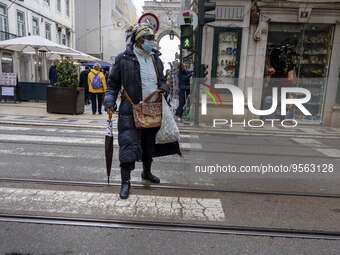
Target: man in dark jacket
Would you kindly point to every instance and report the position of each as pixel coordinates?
(139, 71)
(83, 83)
(184, 88)
(52, 73)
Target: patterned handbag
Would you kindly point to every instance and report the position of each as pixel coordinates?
(146, 114)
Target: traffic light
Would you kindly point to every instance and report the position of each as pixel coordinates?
(204, 70)
(204, 7)
(187, 37)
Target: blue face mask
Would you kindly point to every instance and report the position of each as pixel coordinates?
(148, 45)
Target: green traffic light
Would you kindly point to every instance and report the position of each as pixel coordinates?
(186, 43)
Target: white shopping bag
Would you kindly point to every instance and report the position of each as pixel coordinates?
(168, 131)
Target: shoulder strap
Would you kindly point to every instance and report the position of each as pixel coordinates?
(156, 92)
(128, 97)
(147, 99)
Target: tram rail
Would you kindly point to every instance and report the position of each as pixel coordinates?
(166, 187)
(177, 227)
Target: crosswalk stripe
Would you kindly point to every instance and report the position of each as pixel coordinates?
(77, 131)
(108, 204)
(309, 142)
(75, 140)
(333, 153)
(318, 146)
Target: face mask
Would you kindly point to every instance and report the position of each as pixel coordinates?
(148, 45)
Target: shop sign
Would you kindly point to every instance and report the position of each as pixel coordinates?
(7, 91)
(304, 14)
(8, 79)
(229, 12)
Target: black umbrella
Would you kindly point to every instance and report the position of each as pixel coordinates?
(109, 146)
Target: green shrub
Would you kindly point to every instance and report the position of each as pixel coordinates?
(67, 74)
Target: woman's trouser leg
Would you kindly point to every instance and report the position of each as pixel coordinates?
(148, 141)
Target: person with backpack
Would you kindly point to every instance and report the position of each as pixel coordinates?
(97, 87)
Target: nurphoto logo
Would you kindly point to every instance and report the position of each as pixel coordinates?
(238, 105)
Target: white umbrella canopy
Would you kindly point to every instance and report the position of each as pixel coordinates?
(34, 43)
(77, 55)
(81, 56)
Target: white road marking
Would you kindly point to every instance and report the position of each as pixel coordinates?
(77, 131)
(108, 204)
(40, 154)
(319, 146)
(75, 140)
(309, 142)
(191, 146)
(334, 153)
(6, 128)
(190, 136)
(50, 139)
(311, 131)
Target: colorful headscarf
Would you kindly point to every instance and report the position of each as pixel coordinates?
(143, 30)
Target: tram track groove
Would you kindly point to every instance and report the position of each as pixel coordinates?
(177, 227)
(163, 186)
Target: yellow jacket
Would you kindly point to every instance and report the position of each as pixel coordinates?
(90, 76)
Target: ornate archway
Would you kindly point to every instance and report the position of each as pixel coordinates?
(167, 12)
(164, 33)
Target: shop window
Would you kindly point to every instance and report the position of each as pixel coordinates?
(226, 52)
(7, 63)
(298, 56)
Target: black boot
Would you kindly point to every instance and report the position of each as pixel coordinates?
(125, 188)
(147, 175)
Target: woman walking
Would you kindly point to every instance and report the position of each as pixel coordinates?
(139, 71)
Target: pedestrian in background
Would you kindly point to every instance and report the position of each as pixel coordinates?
(106, 74)
(53, 73)
(83, 83)
(139, 70)
(184, 88)
(97, 88)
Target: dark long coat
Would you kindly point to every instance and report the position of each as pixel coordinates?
(126, 73)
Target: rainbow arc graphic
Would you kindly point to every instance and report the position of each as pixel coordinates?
(212, 93)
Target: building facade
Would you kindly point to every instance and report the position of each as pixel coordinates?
(51, 19)
(101, 26)
(298, 40)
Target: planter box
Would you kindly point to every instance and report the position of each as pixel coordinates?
(65, 100)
